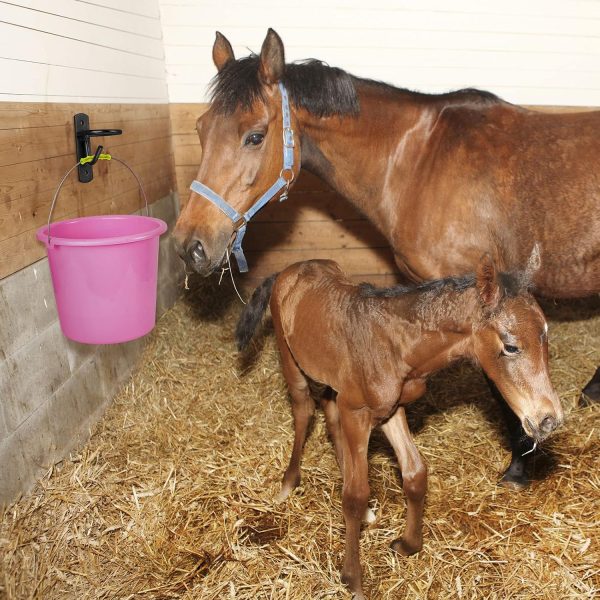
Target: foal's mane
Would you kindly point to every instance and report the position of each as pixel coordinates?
(315, 86)
(511, 285)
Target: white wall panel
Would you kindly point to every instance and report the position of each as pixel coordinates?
(79, 51)
(121, 20)
(535, 52)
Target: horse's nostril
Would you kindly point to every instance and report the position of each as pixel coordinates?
(197, 252)
(548, 424)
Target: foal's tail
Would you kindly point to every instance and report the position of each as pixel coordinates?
(253, 312)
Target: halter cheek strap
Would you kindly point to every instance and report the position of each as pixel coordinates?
(286, 175)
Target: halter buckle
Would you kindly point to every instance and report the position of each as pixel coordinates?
(288, 137)
(241, 222)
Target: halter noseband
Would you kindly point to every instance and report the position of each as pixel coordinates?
(286, 176)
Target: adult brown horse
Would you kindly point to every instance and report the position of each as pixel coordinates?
(376, 347)
(445, 178)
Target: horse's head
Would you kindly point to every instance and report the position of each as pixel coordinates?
(243, 148)
(511, 344)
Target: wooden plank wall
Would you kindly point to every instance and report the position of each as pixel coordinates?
(37, 148)
(314, 222)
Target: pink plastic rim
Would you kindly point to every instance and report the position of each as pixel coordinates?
(105, 230)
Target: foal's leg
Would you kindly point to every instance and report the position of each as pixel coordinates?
(355, 432)
(332, 418)
(303, 408)
(414, 481)
(521, 444)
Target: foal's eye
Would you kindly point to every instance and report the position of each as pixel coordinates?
(509, 350)
(254, 139)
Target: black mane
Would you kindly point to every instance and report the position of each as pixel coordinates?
(511, 285)
(460, 283)
(313, 85)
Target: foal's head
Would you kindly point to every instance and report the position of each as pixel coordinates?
(510, 342)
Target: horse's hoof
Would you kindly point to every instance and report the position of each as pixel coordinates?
(514, 482)
(401, 546)
(591, 392)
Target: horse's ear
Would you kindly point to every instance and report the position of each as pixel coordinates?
(222, 51)
(486, 280)
(272, 59)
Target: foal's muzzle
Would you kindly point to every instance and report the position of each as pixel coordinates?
(541, 430)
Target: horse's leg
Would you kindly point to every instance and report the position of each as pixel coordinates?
(355, 431)
(591, 392)
(303, 408)
(515, 476)
(414, 482)
(332, 418)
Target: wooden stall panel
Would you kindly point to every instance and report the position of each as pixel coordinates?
(37, 148)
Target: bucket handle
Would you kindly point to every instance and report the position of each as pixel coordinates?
(103, 157)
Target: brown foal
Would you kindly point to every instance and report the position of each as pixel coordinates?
(376, 347)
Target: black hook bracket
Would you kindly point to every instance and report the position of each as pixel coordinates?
(83, 148)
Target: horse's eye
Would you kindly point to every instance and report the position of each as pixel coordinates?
(254, 139)
(509, 350)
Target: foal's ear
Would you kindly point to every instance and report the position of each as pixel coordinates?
(272, 59)
(534, 262)
(486, 280)
(222, 51)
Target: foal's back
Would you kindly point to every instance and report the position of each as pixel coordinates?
(337, 335)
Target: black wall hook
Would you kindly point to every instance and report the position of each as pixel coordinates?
(83, 133)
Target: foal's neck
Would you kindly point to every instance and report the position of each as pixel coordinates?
(445, 321)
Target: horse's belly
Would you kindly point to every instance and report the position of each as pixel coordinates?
(436, 262)
(574, 278)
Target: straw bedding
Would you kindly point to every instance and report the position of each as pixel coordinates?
(173, 495)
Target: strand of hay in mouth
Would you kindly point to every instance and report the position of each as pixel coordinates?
(173, 495)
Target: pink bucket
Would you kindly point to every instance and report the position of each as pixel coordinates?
(104, 272)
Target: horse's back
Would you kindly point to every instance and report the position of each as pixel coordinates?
(510, 177)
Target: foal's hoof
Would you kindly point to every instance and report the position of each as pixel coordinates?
(405, 548)
(369, 517)
(513, 481)
(350, 581)
(591, 392)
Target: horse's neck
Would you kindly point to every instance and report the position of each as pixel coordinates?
(362, 157)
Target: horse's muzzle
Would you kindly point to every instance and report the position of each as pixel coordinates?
(193, 255)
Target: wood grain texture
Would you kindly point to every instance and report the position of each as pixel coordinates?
(36, 150)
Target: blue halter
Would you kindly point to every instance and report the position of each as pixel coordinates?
(241, 221)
